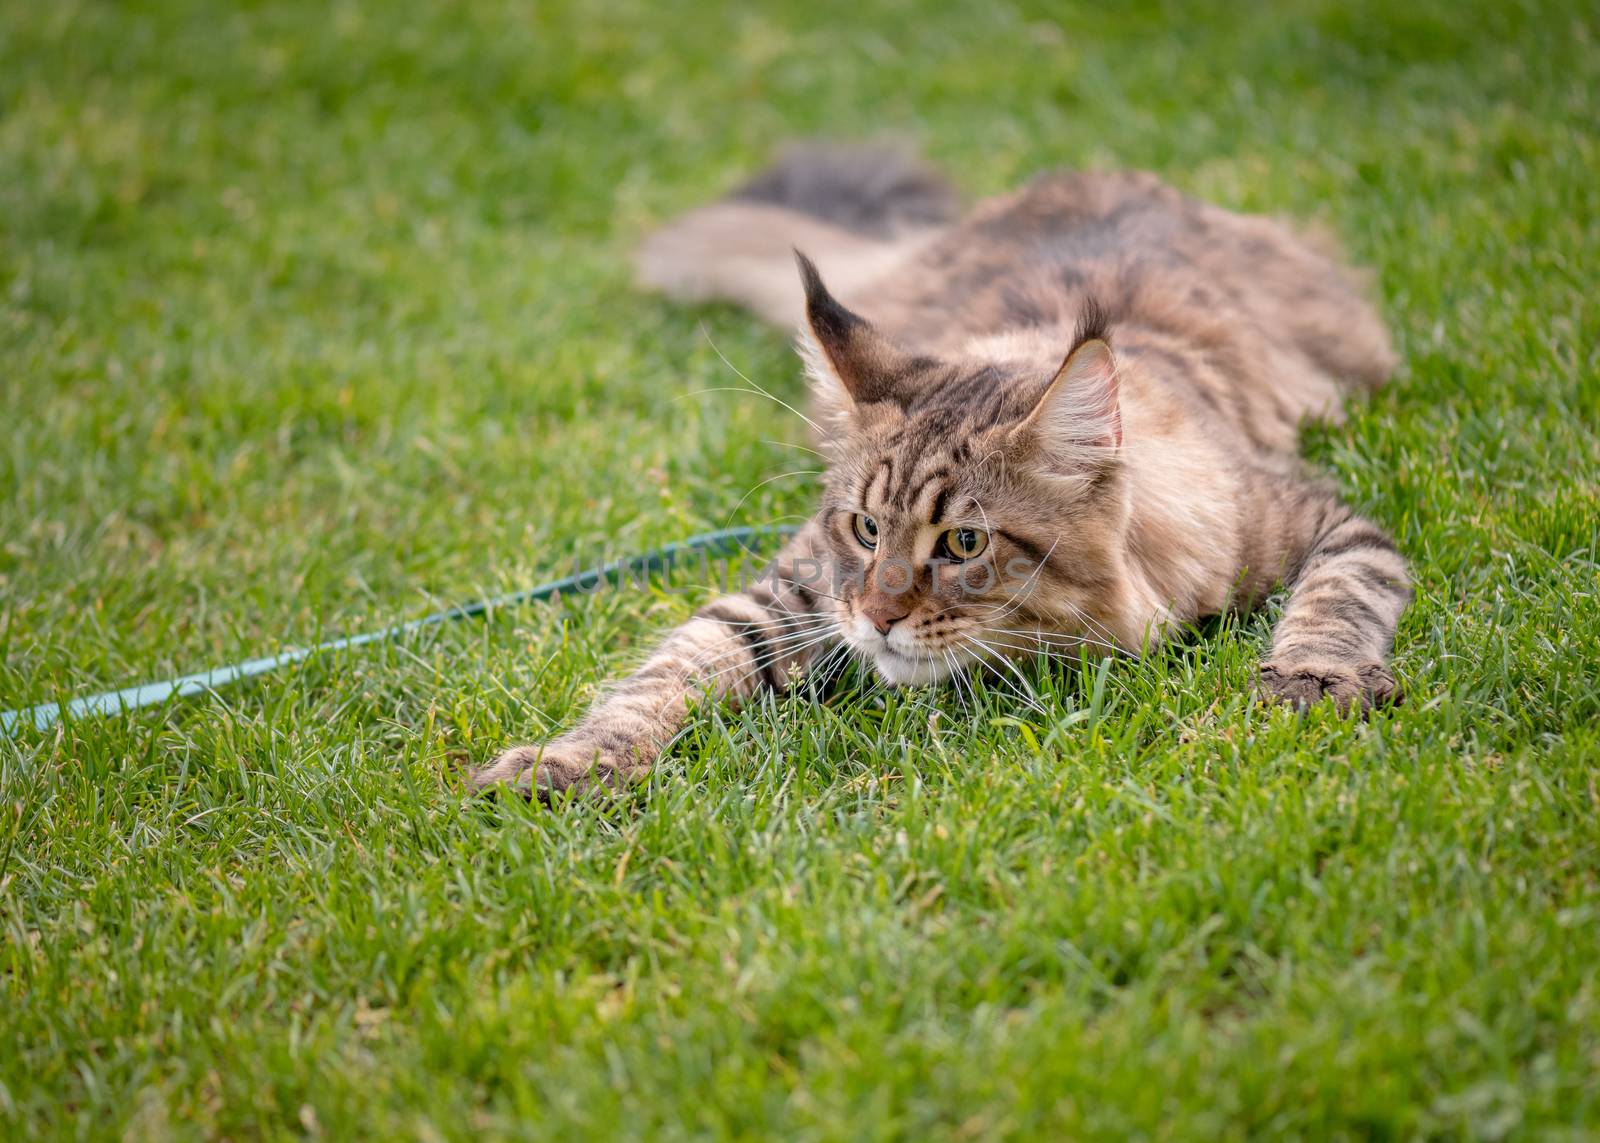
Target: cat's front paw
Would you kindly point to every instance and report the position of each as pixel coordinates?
(1349, 686)
(551, 768)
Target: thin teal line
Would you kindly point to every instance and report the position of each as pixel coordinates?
(725, 542)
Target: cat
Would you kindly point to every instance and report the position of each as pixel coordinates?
(1089, 389)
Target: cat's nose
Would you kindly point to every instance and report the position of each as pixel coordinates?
(884, 613)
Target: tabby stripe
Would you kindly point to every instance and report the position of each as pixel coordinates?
(1243, 414)
(1357, 610)
(1334, 601)
(1330, 643)
(761, 654)
(754, 639)
(765, 598)
(886, 467)
(939, 503)
(912, 492)
(1033, 551)
(983, 381)
(1366, 538)
(1376, 578)
(807, 597)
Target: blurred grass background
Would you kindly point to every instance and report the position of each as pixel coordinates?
(313, 317)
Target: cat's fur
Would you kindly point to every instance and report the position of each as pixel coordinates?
(1102, 375)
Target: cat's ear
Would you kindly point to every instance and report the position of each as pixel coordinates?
(850, 363)
(1078, 419)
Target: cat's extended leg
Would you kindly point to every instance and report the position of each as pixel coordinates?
(1348, 586)
(733, 647)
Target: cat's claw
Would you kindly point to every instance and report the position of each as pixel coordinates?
(549, 769)
(1350, 686)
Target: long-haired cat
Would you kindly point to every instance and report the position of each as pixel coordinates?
(1066, 418)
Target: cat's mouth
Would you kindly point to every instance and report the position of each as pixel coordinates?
(903, 670)
(914, 667)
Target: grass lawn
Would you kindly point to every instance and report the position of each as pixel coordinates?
(316, 317)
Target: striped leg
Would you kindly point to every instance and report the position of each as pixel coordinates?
(1346, 596)
(733, 648)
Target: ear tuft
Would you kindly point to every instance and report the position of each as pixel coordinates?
(846, 348)
(829, 321)
(1078, 420)
(1094, 323)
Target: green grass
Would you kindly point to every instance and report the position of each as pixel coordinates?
(317, 317)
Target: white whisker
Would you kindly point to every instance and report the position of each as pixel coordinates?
(791, 444)
(741, 375)
(1027, 693)
(756, 488)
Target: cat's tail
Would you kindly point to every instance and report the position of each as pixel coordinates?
(856, 210)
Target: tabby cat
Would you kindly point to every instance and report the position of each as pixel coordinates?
(1087, 390)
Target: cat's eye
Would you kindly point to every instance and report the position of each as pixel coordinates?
(866, 531)
(963, 543)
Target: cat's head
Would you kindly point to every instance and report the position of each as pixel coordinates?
(969, 501)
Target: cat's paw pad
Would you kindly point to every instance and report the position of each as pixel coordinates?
(545, 770)
(1349, 686)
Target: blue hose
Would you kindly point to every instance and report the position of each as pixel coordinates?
(725, 542)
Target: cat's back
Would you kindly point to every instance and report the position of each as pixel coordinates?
(1032, 256)
(1286, 317)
